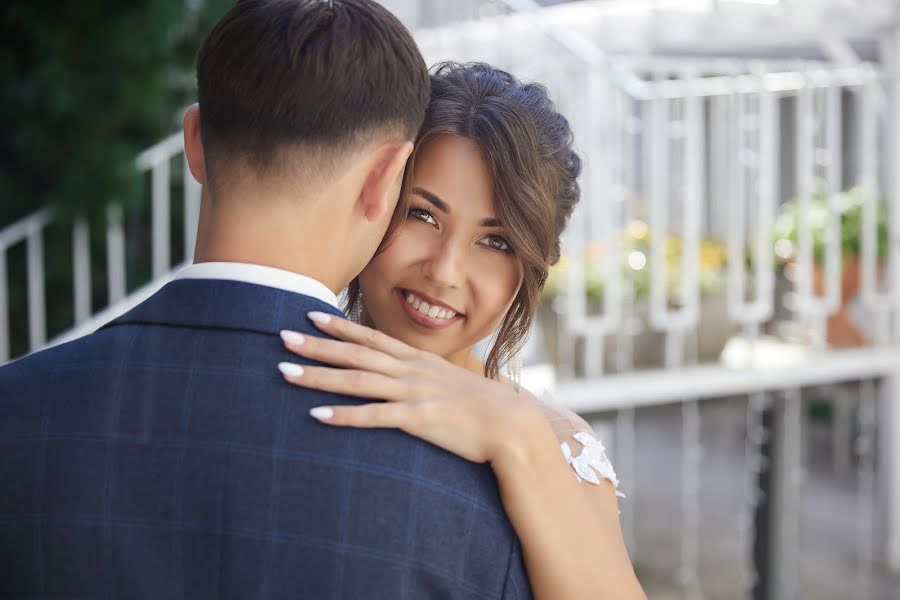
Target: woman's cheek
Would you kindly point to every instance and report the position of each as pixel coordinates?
(412, 244)
(496, 290)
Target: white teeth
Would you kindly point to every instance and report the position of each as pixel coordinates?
(435, 312)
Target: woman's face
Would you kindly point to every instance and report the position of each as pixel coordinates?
(449, 276)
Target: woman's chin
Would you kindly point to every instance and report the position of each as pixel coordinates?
(442, 342)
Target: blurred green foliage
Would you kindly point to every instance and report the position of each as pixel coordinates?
(849, 204)
(86, 86)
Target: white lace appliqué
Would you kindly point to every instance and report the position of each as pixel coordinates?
(591, 462)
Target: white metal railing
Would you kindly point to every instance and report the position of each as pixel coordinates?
(156, 162)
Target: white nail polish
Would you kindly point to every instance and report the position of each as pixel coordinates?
(292, 337)
(323, 413)
(290, 369)
(319, 317)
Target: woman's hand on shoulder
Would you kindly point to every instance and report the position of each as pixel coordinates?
(479, 419)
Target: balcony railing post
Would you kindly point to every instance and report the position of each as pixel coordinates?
(865, 504)
(37, 307)
(81, 266)
(4, 309)
(783, 496)
(115, 254)
(889, 459)
(161, 218)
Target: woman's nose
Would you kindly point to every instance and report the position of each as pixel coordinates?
(446, 266)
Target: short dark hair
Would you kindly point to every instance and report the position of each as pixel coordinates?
(274, 74)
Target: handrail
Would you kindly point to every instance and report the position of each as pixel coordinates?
(18, 231)
(155, 161)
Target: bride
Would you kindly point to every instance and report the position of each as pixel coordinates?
(488, 190)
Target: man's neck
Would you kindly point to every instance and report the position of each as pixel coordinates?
(298, 245)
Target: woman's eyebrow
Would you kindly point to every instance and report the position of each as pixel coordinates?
(445, 208)
(437, 202)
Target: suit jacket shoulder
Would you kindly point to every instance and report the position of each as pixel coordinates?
(164, 456)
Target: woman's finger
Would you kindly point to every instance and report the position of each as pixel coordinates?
(367, 416)
(341, 354)
(348, 382)
(349, 331)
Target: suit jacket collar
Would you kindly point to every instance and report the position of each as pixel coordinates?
(260, 275)
(219, 304)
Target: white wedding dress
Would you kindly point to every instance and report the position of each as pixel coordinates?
(588, 460)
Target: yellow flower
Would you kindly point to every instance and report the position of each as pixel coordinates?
(638, 231)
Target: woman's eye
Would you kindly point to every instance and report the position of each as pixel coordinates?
(495, 242)
(422, 215)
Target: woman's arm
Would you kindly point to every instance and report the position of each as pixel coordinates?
(569, 531)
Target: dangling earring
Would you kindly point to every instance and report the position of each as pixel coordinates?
(514, 368)
(356, 314)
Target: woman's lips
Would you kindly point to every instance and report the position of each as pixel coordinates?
(421, 318)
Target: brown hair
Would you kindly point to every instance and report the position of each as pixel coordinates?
(527, 146)
(274, 74)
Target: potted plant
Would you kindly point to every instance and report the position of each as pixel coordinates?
(647, 344)
(842, 331)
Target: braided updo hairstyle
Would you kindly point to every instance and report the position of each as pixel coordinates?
(527, 147)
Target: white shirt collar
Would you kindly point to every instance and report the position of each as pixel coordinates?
(260, 275)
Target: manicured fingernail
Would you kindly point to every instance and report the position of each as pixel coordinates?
(292, 337)
(290, 369)
(323, 413)
(319, 317)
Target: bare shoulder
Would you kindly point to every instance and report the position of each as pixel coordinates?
(564, 422)
(584, 452)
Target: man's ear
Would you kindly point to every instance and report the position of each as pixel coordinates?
(381, 190)
(193, 145)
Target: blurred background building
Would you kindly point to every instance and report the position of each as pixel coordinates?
(727, 309)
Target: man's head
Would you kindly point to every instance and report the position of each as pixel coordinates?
(306, 108)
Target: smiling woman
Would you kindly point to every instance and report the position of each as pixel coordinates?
(490, 187)
(449, 275)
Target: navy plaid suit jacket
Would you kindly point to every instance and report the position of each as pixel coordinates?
(165, 457)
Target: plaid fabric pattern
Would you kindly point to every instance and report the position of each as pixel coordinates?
(163, 457)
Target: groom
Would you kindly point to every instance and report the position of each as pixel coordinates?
(164, 456)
